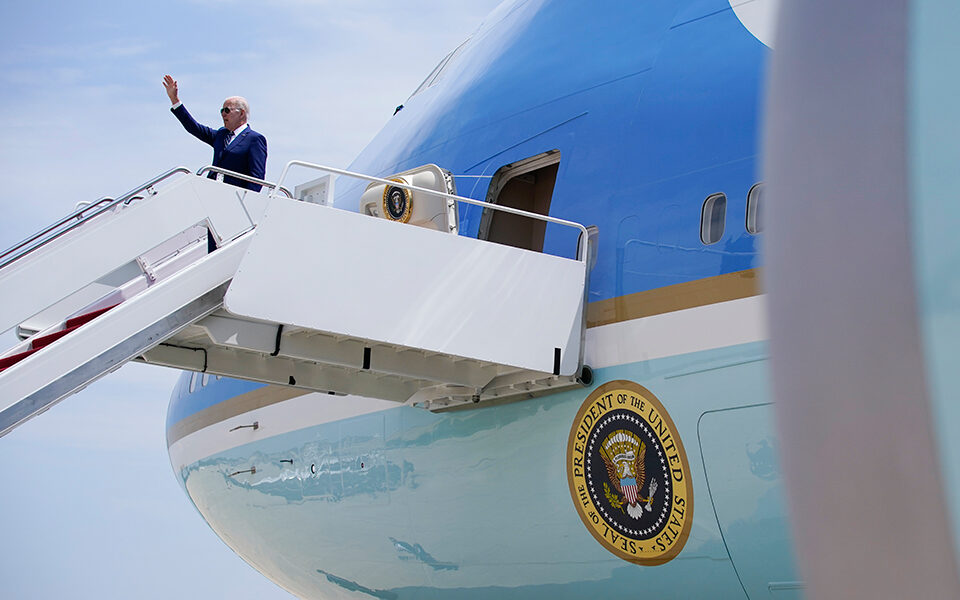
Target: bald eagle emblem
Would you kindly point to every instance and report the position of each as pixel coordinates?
(623, 454)
(397, 202)
(628, 474)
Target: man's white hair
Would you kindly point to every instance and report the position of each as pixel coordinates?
(241, 103)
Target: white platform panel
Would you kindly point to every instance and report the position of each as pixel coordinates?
(360, 277)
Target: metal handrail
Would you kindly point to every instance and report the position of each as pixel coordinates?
(251, 179)
(84, 205)
(581, 253)
(76, 214)
(51, 232)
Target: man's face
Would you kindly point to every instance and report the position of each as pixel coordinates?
(234, 118)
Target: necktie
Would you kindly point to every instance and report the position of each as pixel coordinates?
(229, 138)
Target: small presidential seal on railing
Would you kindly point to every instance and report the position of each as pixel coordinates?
(397, 202)
(628, 474)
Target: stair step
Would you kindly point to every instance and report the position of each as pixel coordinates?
(9, 361)
(79, 320)
(45, 340)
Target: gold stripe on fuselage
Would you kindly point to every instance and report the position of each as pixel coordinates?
(231, 407)
(681, 296)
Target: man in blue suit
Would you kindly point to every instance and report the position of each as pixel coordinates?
(236, 147)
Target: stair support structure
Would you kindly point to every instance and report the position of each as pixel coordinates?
(290, 297)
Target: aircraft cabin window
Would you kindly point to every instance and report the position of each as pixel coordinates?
(437, 72)
(713, 218)
(206, 379)
(754, 199)
(193, 382)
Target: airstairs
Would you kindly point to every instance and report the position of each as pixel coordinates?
(192, 273)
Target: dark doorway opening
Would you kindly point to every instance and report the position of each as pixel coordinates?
(526, 185)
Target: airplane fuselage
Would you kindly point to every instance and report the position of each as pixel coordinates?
(639, 119)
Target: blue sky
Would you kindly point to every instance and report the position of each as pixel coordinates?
(90, 505)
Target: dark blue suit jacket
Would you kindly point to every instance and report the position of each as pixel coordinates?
(246, 154)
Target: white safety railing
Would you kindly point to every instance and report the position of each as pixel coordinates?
(581, 251)
(220, 172)
(64, 225)
(89, 210)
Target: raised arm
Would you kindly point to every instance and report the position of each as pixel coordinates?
(201, 132)
(170, 84)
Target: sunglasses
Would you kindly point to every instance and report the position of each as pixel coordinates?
(226, 110)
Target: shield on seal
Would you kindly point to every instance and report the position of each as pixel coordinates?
(629, 489)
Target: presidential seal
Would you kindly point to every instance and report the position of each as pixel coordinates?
(628, 474)
(397, 202)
